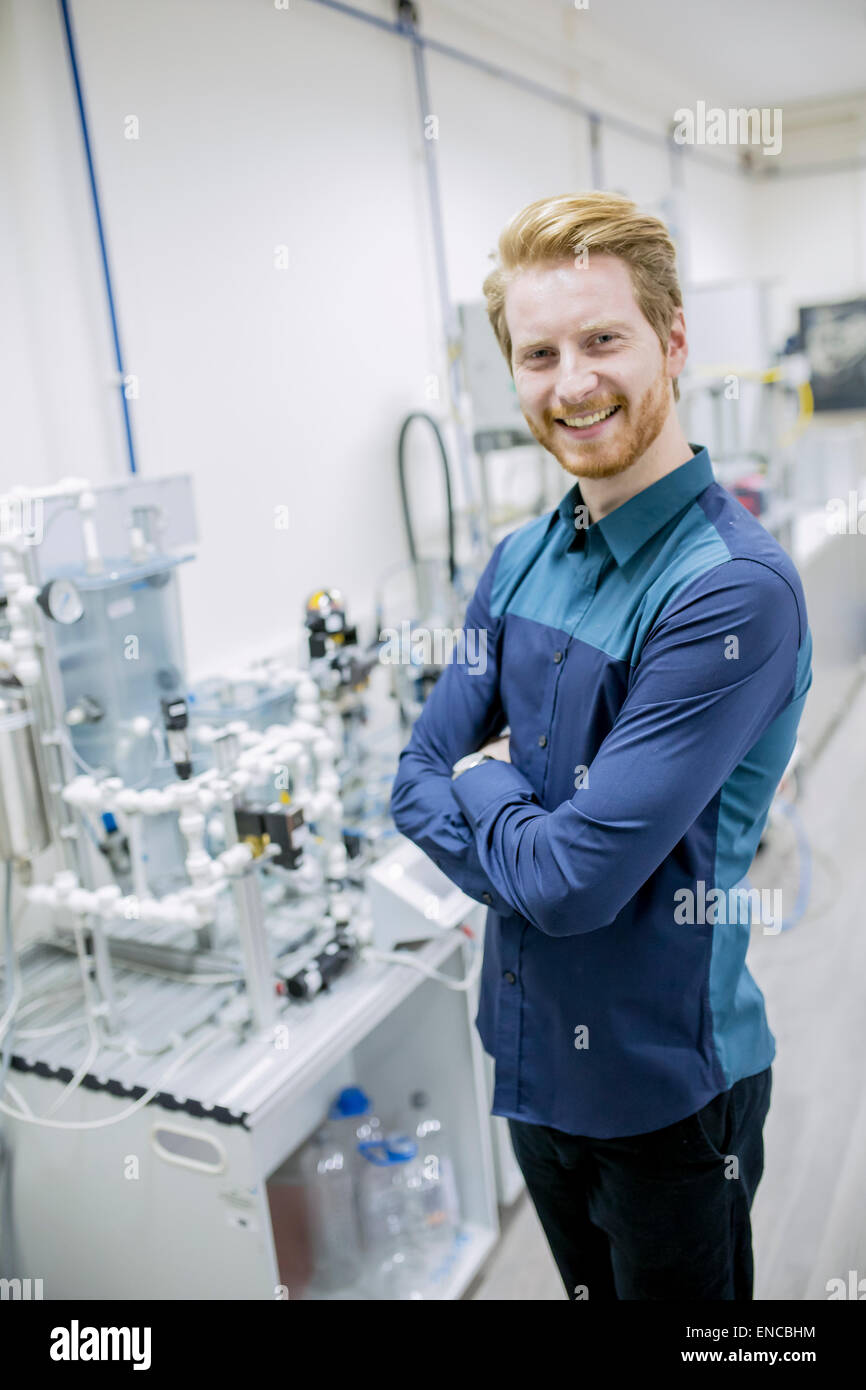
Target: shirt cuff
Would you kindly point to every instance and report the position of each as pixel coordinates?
(480, 787)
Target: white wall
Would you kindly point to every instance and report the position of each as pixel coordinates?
(262, 127)
(809, 239)
(55, 350)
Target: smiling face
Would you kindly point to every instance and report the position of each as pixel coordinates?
(592, 380)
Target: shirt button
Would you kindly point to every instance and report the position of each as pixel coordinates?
(509, 977)
(486, 898)
(542, 742)
(557, 656)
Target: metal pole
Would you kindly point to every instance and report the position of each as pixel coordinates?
(448, 312)
(55, 767)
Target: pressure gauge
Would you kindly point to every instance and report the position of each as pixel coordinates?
(61, 600)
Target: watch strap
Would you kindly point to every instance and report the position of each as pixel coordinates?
(471, 760)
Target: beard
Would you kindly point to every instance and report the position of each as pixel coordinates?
(629, 439)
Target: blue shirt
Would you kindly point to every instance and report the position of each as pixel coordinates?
(652, 668)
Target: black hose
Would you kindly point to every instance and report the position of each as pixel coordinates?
(401, 469)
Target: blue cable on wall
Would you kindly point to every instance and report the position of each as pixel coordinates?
(94, 190)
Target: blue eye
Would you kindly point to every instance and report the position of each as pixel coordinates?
(610, 336)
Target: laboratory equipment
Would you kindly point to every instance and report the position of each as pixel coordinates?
(440, 589)
(201, 908)
(183, 841)
(318, 973)
(24, 829)
(411, 899)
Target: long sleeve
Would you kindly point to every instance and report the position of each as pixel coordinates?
(716, 669)
(462, 712)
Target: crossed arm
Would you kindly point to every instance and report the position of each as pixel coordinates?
(691, 714)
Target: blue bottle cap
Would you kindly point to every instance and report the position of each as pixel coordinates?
(401, 1148)
(383, 1153)
(351, 1101)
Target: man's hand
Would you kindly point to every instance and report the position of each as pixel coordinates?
(499, 748)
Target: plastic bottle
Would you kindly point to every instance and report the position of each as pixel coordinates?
(331, 1201)
(331, 1168)
(351, 1121)
(393, 1218)
(439, 1193)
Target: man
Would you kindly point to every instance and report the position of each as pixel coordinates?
(647, 647)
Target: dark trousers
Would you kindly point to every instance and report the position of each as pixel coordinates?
(663, 1215)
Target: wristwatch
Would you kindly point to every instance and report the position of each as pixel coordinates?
(471, 760)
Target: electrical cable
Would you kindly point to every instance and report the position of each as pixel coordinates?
(397, 958)
(404, 497)
(53, 1030)
(39, 1002)
(18, 1098)
(32, 1002)
(181, 977)
(96, 772)
(84, 1066)
(97, 212)
(148, 1096)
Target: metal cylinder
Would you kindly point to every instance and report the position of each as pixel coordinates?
(24, 829)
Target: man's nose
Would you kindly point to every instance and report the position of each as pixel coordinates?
(576, 380)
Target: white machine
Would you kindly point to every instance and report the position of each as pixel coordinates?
(199, 835)
(412, 900)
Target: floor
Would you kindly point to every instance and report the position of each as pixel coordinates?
(809, 1214)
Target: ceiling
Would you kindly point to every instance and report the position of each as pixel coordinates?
(739, 52)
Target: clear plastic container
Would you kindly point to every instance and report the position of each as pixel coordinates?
(394, 1228)
(439, 1199)
(352, 1122)
(331, 1167)
(331, 1201)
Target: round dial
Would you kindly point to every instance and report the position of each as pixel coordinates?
(62, 601)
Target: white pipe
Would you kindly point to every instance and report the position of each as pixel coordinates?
(132, 823)
(187, 907)
(302, 747)
(92, 554)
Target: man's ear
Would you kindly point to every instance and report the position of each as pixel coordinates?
(678, 347)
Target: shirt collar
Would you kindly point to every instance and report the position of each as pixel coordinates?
(630, 526)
